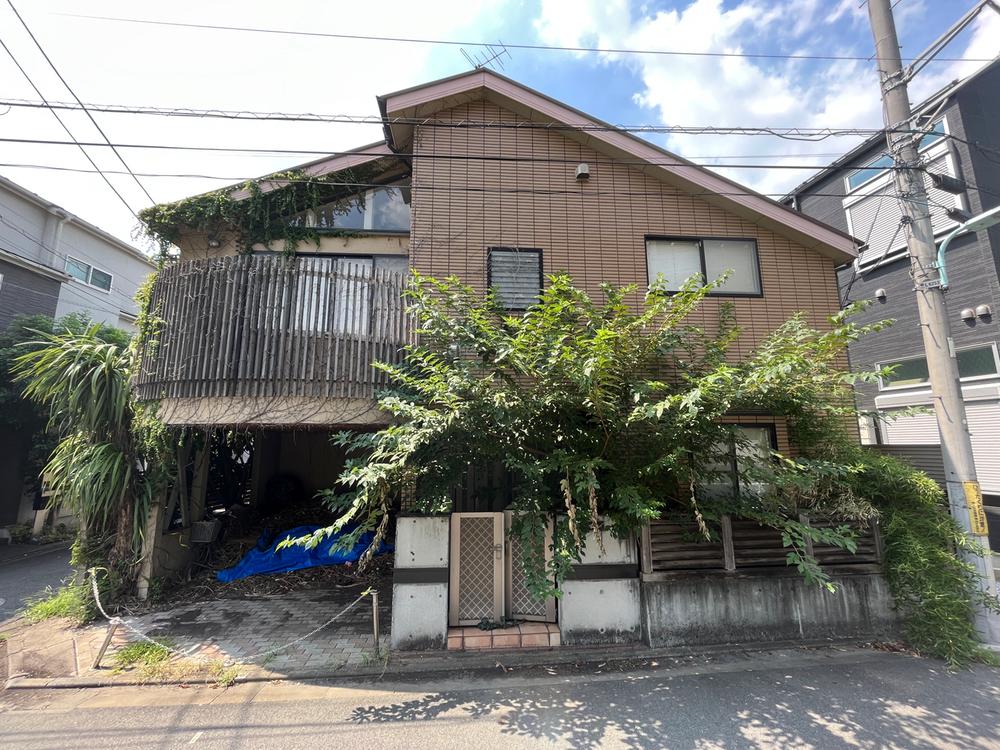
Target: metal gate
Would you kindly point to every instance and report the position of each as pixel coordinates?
(521, 605)
(486, 576)
(476, 568)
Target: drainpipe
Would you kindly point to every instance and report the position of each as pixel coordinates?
(52, 236)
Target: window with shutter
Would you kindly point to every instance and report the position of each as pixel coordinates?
(516, 275)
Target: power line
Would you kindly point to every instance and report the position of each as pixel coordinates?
(666, 161)
(73, 94)
(351, 184)
(526, 46)
(800, 133)
(68, 131)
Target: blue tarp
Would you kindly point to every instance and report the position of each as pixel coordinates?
(266, 558)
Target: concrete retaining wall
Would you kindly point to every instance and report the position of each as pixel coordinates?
(420, 583)
(600, 600)
(712, 609)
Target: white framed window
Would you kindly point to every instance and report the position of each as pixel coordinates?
(88, 274)
(879, 166)
(874, 214)
(515, 274)
(678, 259)
(974, 363)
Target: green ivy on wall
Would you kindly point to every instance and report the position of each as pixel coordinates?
(260, 215)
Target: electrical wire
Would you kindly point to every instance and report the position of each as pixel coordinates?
(525, 46)
(75, 97)
(666, 161)
(68, 131)
(251, 115)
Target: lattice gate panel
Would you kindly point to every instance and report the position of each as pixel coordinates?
(521, 602)
(478, 568)
(521, 605)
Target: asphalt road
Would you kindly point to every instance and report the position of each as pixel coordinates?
(20, 579)
(853, 700)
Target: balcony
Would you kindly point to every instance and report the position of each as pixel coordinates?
(264, 338)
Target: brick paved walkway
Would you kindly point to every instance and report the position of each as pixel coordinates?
(235, 629)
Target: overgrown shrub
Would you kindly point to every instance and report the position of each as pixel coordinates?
(934, 589)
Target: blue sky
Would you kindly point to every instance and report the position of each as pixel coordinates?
(111, 62)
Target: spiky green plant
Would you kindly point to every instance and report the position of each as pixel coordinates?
(100, 469)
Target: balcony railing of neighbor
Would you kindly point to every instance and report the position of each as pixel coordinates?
(272, 326)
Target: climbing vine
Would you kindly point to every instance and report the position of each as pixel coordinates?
(257, 211)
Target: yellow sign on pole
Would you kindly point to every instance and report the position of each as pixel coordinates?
(977, 516)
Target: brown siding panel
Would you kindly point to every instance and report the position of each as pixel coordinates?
(595, 230)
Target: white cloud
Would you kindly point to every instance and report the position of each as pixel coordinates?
(738, 91)
(155, 65)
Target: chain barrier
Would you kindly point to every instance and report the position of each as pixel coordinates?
(266, 654)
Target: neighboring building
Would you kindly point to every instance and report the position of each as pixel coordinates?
(964, 143)
(486, 179)
(54, 263)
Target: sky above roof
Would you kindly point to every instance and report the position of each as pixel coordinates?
(112, 62)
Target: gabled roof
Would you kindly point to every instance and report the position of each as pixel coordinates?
(356, 157)
(401, 107)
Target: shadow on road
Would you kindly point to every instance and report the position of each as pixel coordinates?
(903, 703)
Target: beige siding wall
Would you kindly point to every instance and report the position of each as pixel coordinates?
(595, 230)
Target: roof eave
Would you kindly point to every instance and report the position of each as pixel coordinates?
(421, 100)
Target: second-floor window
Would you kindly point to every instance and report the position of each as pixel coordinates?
(677, 260)
(382, 209)
(516, 275)
(88, 274)
(974, 362)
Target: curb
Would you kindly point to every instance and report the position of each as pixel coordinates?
(41, 549)
(602, 657)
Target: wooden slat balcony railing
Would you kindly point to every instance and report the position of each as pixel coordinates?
(270, 326)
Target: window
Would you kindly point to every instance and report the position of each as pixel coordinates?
(335, 294)
(515, 274)
(383, 209)
(677, 260)
(100, 279)
(977, 362)
(879, 166)
(730, 461)
(88, 274)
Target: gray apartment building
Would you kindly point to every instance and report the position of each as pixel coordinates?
(54, 263)
(855, 194)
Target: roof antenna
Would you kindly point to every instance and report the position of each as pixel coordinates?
(493, 54)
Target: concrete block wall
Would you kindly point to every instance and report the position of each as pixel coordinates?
(718, 609)
(420, 583)
(600, 600)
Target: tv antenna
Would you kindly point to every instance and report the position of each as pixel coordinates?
(491, 55)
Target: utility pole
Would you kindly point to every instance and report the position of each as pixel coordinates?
(964, 495)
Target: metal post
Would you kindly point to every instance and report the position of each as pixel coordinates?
(112, 627)
(375, 624)
(964, 496)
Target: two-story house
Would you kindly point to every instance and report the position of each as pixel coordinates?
(961, 158)
(484, 178)
(53, 263)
